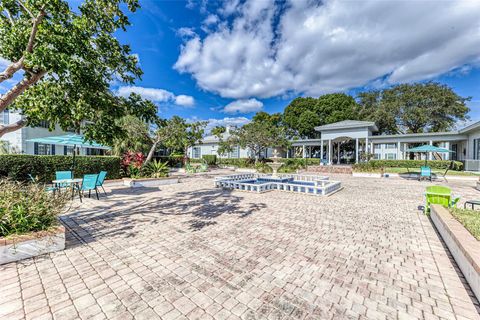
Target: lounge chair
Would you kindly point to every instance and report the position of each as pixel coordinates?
(101, 179)
(63, 175)
(425, 173)
(439, 195)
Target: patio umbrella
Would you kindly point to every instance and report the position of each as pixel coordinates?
(427, 148)
(74, 140)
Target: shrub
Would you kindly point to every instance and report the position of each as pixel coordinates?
(374, 165)
(210, 159)
(173, 161)
(18, 166)
(156, 169)
(28, 207)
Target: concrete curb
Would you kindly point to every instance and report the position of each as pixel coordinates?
(464, 248)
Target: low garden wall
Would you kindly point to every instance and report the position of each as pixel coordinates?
(149, 182)
(21, 247)
(464, 248)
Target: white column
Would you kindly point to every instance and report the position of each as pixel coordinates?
(366, 148)
(338, 152)
(399, 152)
(356, 150)
(321, 150)
(447, 146)
(303, 151)
(430, 154)
(329, 151)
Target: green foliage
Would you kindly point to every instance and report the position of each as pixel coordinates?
(70, 63)
(302, 115)
(137, 138)
(17, 167)
(156, 169)
(470, 220)
(172, 161)
(218, 131)
(178, 135)
(414, 108)
(211, 160)
(374, 165)
(28, 207)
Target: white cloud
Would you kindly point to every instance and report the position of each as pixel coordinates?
(157, 95)
(227, 121)
(243, 106)
(260, 49)
(183, 100)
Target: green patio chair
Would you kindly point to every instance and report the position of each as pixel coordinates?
(439, 195)
(425, 173)
(61, 175)
(89, 183)
(101, 179)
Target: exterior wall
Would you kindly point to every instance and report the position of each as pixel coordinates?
(353, 133)
(18, 143)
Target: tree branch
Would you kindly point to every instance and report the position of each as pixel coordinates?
(10, 17)
(12, 127)
(18, 89)
(26, 9)
(15, 66)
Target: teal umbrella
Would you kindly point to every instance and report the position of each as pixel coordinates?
(74, 140)
(427, 148)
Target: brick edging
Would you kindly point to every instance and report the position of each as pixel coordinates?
(31, 236)
(464, 248)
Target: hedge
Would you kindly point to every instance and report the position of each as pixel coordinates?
(172, 161)
(250, 163)
(434, 164)
(18, 166)
(210, 159)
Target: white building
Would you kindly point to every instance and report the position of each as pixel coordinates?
(16, 142)
(354, 140)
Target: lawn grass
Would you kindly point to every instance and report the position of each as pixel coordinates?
(470, 220)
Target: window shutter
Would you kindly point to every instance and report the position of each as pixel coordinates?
(65, 150)
(53, 149)
(35, 148)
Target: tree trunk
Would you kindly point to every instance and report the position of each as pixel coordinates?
(12, 127)
(185, 156)
(8, 98)
(151, 152)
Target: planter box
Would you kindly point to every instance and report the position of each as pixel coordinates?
(148, 182)
(31, 245)
(464, 247)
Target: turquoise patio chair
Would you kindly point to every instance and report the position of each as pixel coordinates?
(439, 195)
(425, 173)
(89, 183)
(101, 179)
(62, 175)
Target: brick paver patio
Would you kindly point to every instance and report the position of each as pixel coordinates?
(190, 251)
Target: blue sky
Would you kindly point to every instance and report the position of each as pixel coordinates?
(224, 60)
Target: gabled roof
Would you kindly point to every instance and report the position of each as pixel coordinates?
(214, 138)
(348, 124)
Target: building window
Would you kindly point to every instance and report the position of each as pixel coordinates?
(235, 152)
(68, 150)
(476, 149)
(196, 152)
(377, 146)
(377, 156)
(44, 149)
(390, 145)
(390, 156)
(95, 152)
(5, 117)
(44, 124)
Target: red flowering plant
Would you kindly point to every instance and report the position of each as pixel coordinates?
(132, 163)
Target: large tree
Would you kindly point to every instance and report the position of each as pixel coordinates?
(178, 135)
(262, 132)
(66, 60)
(414, 108)
(302, 115)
